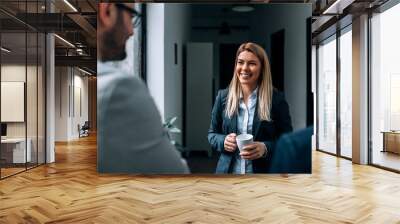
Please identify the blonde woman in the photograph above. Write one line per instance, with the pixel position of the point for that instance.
(250, 105)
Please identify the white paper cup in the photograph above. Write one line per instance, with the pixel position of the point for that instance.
(243, 140)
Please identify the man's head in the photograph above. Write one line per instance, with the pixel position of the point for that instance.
(114, 27)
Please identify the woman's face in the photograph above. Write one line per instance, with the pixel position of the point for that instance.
(248, 68)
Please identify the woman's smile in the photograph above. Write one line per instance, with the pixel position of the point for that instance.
(245, 75)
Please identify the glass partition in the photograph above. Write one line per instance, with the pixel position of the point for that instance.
(22, 88)
(346, 93)
(31, 100)
(13, 108)
(327, 96)
(385, 88)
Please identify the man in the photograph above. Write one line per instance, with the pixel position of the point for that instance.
(131, 138)
(293, 152)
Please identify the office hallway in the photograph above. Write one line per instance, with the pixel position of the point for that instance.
(70, 191)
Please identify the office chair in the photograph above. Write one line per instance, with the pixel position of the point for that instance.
(84, 130)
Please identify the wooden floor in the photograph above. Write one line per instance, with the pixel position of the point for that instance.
(70, 191)
(10, 171)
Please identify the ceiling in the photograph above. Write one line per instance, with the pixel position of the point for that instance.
(326, 14)
(75, 23)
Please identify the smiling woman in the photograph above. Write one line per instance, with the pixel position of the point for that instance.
(249, 106)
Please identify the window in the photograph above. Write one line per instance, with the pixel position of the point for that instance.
(346, 92)
(385, 87)
(327, 96)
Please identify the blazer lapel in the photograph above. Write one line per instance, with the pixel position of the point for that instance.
(234, 124)
(256, 122)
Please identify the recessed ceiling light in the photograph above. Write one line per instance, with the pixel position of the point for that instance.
(84, 71)
(64, 40)
(242, 8)
(5, 50)
(70, 5)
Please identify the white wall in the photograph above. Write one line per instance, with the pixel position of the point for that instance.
(14, 72)
(155, 53)
(167, 24)
(68, 83)
(81, 111)
(62, 81)
(293, 19)
(177, 30)
(17, 72)
(213, 36)
(198, 95)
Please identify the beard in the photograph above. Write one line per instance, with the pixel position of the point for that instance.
(114, 42)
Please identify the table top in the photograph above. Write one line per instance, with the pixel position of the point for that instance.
(391, 132)
(13, 140)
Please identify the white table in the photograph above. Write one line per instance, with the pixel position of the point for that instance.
(18, 145)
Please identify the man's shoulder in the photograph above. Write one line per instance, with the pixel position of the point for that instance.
(297, 139)
(115, 77)
(122, 95)
(111, 82)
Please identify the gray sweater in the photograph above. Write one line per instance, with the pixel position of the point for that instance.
(130, 136)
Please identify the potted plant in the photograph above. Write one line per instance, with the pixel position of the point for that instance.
(170, 127)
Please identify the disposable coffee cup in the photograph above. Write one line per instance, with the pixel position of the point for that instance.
(244, 139)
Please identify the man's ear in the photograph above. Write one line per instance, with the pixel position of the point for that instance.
(107, 14)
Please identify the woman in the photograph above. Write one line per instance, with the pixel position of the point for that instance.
(250, 105)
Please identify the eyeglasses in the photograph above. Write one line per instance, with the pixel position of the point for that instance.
(134, 14)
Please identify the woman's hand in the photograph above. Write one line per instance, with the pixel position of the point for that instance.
(230, 142)
(254, 151)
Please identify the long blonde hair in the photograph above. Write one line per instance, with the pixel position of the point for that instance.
(265, 88)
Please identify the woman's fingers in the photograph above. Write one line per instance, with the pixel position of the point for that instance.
(230, 142)
(249, 154)
(252, 151)
(229, 149)
(231, 138)
(250, 147)
(233, 145)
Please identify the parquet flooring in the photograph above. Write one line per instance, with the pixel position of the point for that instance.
(71, 191)
(10, 171)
